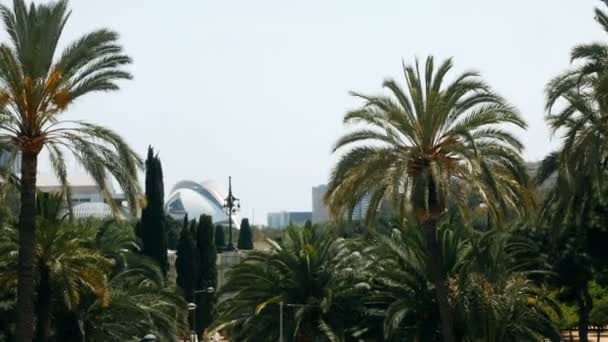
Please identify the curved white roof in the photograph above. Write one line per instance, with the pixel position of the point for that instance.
(196, 199)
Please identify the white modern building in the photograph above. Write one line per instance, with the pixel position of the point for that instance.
(82, 187)
(87, 199)
(195, 199)
(320, 214)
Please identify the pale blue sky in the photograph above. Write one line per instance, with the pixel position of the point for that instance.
(257, 89)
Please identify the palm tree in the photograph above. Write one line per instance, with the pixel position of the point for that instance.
(492, 299)
(138, 303)
(37, 85)
(401, 297)
(93, 284)
(576, 105)
(426, 147)
(67, 266)
(313, 275)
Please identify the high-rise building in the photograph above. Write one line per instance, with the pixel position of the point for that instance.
(360, 210)
(283, 219)
(320, 214)
(11, 162)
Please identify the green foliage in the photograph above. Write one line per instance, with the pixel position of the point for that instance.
(378, 288)
(490, 295)
(185, 264)
(153, 219)
(174, 229)
(311, 272)
(220, 238)
(94, 273)
(245, 236)
(599, 314)
(139, 304)
(206, 273)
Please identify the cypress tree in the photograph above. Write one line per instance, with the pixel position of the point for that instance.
(185, 264)
(245, 236)
(153, 225)
(173, 228)
(220, 239)
(194, 229)
(207, 273)
(185, 222)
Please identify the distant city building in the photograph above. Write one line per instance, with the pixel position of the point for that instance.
(11, 162)
(285, 218)
(320, 214)
(196, 199)
(277, 220)
(360, 210)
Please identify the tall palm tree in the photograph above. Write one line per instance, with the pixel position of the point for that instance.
(577, 110)
(313, 275)
(37, 85)
(427, 146)
(577, 107)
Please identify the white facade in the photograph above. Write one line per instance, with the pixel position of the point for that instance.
(320, 214)
(87, 199)
(82, 186)
(97, 210)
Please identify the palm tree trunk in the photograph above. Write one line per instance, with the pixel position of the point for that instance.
(429, 228)
(27, 238)
(44, 307)
(585, 304)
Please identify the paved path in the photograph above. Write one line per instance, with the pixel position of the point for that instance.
(592, 336)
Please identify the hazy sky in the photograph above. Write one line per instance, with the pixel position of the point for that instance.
(257, 89)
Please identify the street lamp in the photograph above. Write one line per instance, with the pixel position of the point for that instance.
(149, 338)
(231, 206)
(192, 310)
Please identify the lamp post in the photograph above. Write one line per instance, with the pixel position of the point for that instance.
(281, 321)
(192, 309)
(150, 338)
(231, 206)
